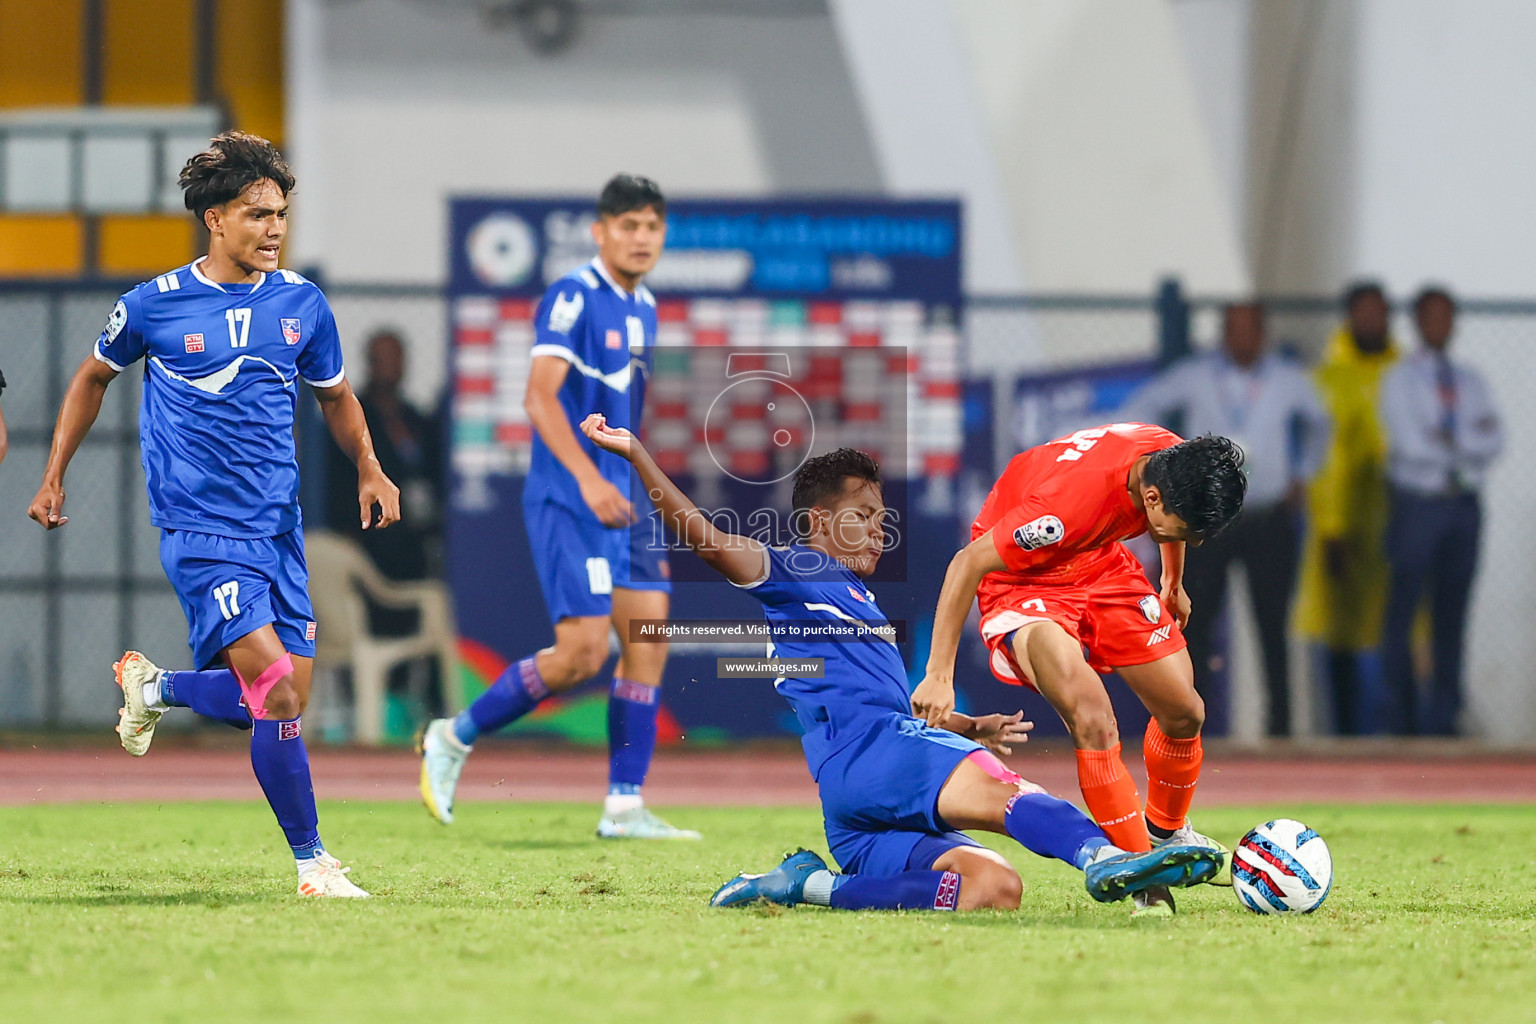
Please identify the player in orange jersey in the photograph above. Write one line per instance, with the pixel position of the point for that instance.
(1054, 580)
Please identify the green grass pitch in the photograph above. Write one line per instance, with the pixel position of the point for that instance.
(186, 912)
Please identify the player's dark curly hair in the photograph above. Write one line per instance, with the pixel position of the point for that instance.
(1202, 482)
(232, 163)
(626, 193)
(825, 477)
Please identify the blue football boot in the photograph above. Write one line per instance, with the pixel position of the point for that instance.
(1114, 878)
(784, 885)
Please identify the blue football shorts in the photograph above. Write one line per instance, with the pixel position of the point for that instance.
(232, 586)
(880, 796)
(580, 561)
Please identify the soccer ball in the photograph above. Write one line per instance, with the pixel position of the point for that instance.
(1282, 867)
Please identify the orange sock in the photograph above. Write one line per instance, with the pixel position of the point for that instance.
(1112, 798)
(1173, 768)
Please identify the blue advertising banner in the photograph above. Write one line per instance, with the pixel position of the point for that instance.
(831, 249)
(844, 312)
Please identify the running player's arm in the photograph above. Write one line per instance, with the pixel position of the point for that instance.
(82, 403)
(5, 441)
(347, 424)
(934, 699)
(320, 365)
(739, 559)
(542, 403)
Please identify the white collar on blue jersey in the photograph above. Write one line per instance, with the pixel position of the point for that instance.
(602, 272)
(214, 284)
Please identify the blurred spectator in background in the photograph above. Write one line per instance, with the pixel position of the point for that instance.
(5, 441)
(407, 443)
(1268, 406)
(1344, 566)
(1442, 432)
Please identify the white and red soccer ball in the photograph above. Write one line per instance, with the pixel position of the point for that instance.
(1282, 867)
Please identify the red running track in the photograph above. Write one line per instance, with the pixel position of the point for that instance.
(765, 776)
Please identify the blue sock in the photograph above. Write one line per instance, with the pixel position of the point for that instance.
(910, 890)
(632, 710)
(515, 692)
(1051, 827)
(282, 768)
(214, 694)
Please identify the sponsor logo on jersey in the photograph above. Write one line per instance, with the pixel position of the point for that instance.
(193, 342)
(290, 331)
(1159, 635)
(564, 312)
(855, 594)
(613, 339)
(1039, 532)
(1152, 608)
(116, 321)
(309, 631)
(290, 730)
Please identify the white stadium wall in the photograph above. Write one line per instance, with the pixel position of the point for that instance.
(1099, 145)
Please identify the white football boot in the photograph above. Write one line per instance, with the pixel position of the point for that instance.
(137, 719)
(328, 878)
(442, 760)
(640, 823)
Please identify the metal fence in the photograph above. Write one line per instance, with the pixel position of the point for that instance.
(70, 601)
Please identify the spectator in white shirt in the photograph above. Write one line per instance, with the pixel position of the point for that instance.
(1442, 431)
(1268, 405)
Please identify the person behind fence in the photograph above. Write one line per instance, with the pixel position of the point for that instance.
(1266, 404)
(5, 441)
(1343, 588)
(1442, 433)
(406, 441)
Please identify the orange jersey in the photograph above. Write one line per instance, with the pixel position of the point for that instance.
(1060, 510)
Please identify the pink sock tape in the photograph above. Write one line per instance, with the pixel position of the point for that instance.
(256, 693)
(988, 762)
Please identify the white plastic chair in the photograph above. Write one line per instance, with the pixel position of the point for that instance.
(340, 574)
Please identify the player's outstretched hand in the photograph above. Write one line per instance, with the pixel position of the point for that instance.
(48, 507)
(610, 439)
(933, 700)
(377, 489)
(999, 733)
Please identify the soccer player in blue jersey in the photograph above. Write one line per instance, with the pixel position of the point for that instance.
(894, 791)
(225, 341)
(592, 352)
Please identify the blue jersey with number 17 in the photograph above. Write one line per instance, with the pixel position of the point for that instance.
(222, 366)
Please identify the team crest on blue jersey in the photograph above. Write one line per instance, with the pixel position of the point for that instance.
(193, 342)
(290, 330)
(855, 595)
(1151, 607)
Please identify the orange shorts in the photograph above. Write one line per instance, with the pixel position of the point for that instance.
(1114, 613)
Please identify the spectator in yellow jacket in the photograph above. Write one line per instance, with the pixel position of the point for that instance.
(1344, 571)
